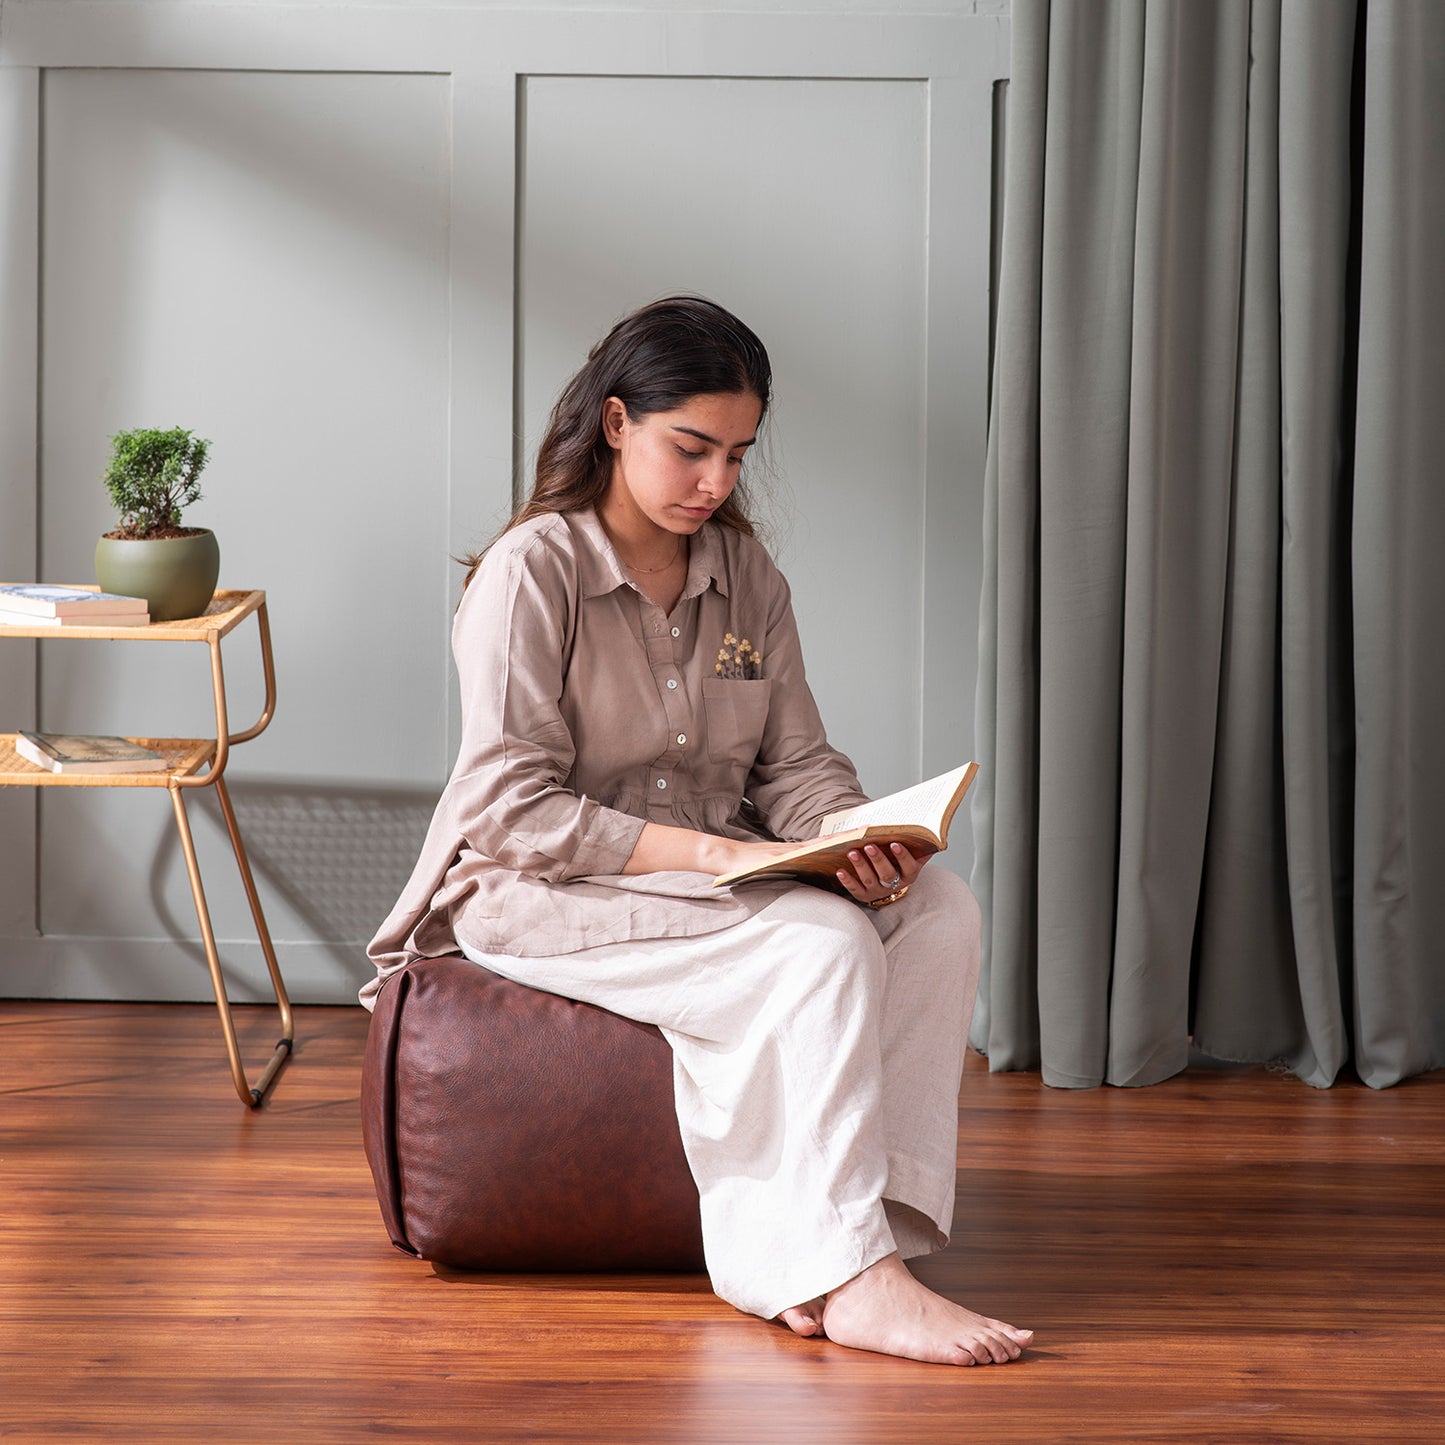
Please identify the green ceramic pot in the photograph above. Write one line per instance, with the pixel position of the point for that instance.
(175, 575)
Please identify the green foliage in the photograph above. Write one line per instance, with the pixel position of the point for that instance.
(151, 475)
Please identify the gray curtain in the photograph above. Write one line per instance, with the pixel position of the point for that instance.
(1212, 685)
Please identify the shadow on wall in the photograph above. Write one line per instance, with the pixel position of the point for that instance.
(337, 856)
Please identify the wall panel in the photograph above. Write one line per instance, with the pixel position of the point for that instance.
(801, 205)
(19, 374)
(263, 258)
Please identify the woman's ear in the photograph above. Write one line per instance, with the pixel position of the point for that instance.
(614, 418)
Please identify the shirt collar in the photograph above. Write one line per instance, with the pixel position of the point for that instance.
(602, 571)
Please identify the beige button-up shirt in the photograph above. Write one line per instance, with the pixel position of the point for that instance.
(586, 712)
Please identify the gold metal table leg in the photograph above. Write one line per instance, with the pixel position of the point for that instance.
(278, 984)
(251, 1096)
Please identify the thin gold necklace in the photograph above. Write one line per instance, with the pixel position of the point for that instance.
(648, 571)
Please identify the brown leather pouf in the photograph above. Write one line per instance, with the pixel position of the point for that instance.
(512, 1130)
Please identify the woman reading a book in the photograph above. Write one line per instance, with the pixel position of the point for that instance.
(636, 721)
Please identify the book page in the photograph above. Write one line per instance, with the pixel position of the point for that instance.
(924, 803)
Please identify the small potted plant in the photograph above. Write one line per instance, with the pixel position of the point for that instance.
(150, 477)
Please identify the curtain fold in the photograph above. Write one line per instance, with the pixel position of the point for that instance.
(1398, 551)
(1211, 807)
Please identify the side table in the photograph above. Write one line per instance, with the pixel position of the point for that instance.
(190, 763)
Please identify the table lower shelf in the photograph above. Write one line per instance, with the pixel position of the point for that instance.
(184, 756)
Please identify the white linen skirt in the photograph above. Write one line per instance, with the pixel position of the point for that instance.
(817, 1054)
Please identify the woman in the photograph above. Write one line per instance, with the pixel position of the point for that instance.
(635, 721)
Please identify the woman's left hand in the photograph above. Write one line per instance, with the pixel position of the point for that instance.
(878, 872)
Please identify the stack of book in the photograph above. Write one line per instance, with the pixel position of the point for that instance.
(36, 604)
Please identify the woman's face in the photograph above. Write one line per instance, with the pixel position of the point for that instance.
(674, 469)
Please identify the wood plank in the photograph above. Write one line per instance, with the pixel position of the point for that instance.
(1229, 1256)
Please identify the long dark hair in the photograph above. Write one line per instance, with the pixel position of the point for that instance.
(652, 360)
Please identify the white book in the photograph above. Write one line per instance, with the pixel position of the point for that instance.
(86, 753)
(43, 599)
(101, 619)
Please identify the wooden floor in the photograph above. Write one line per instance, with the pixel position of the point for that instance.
(1230, 1256)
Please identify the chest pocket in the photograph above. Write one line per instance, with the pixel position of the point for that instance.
(737, 713)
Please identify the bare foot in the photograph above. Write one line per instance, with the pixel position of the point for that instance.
(887, 1310)
(805, 1319)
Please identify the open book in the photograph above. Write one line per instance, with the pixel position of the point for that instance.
(917, 817)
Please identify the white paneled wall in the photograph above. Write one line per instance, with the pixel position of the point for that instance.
(801, 205)
(353, 245)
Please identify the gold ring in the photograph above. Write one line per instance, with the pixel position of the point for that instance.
(891, 898)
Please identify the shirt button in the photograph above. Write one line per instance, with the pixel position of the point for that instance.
(662, 782)
(672, 682)
(681, 739)
(677, 632)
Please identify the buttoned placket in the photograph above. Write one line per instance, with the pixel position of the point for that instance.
(662, 636)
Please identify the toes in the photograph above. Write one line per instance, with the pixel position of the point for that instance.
(1013, 1341)
(1002, 1343)
(994, 1348)
(801, 1321)
(959, 1353)
(1010, 1347)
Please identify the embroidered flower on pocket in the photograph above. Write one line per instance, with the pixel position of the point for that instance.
(738, 659)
